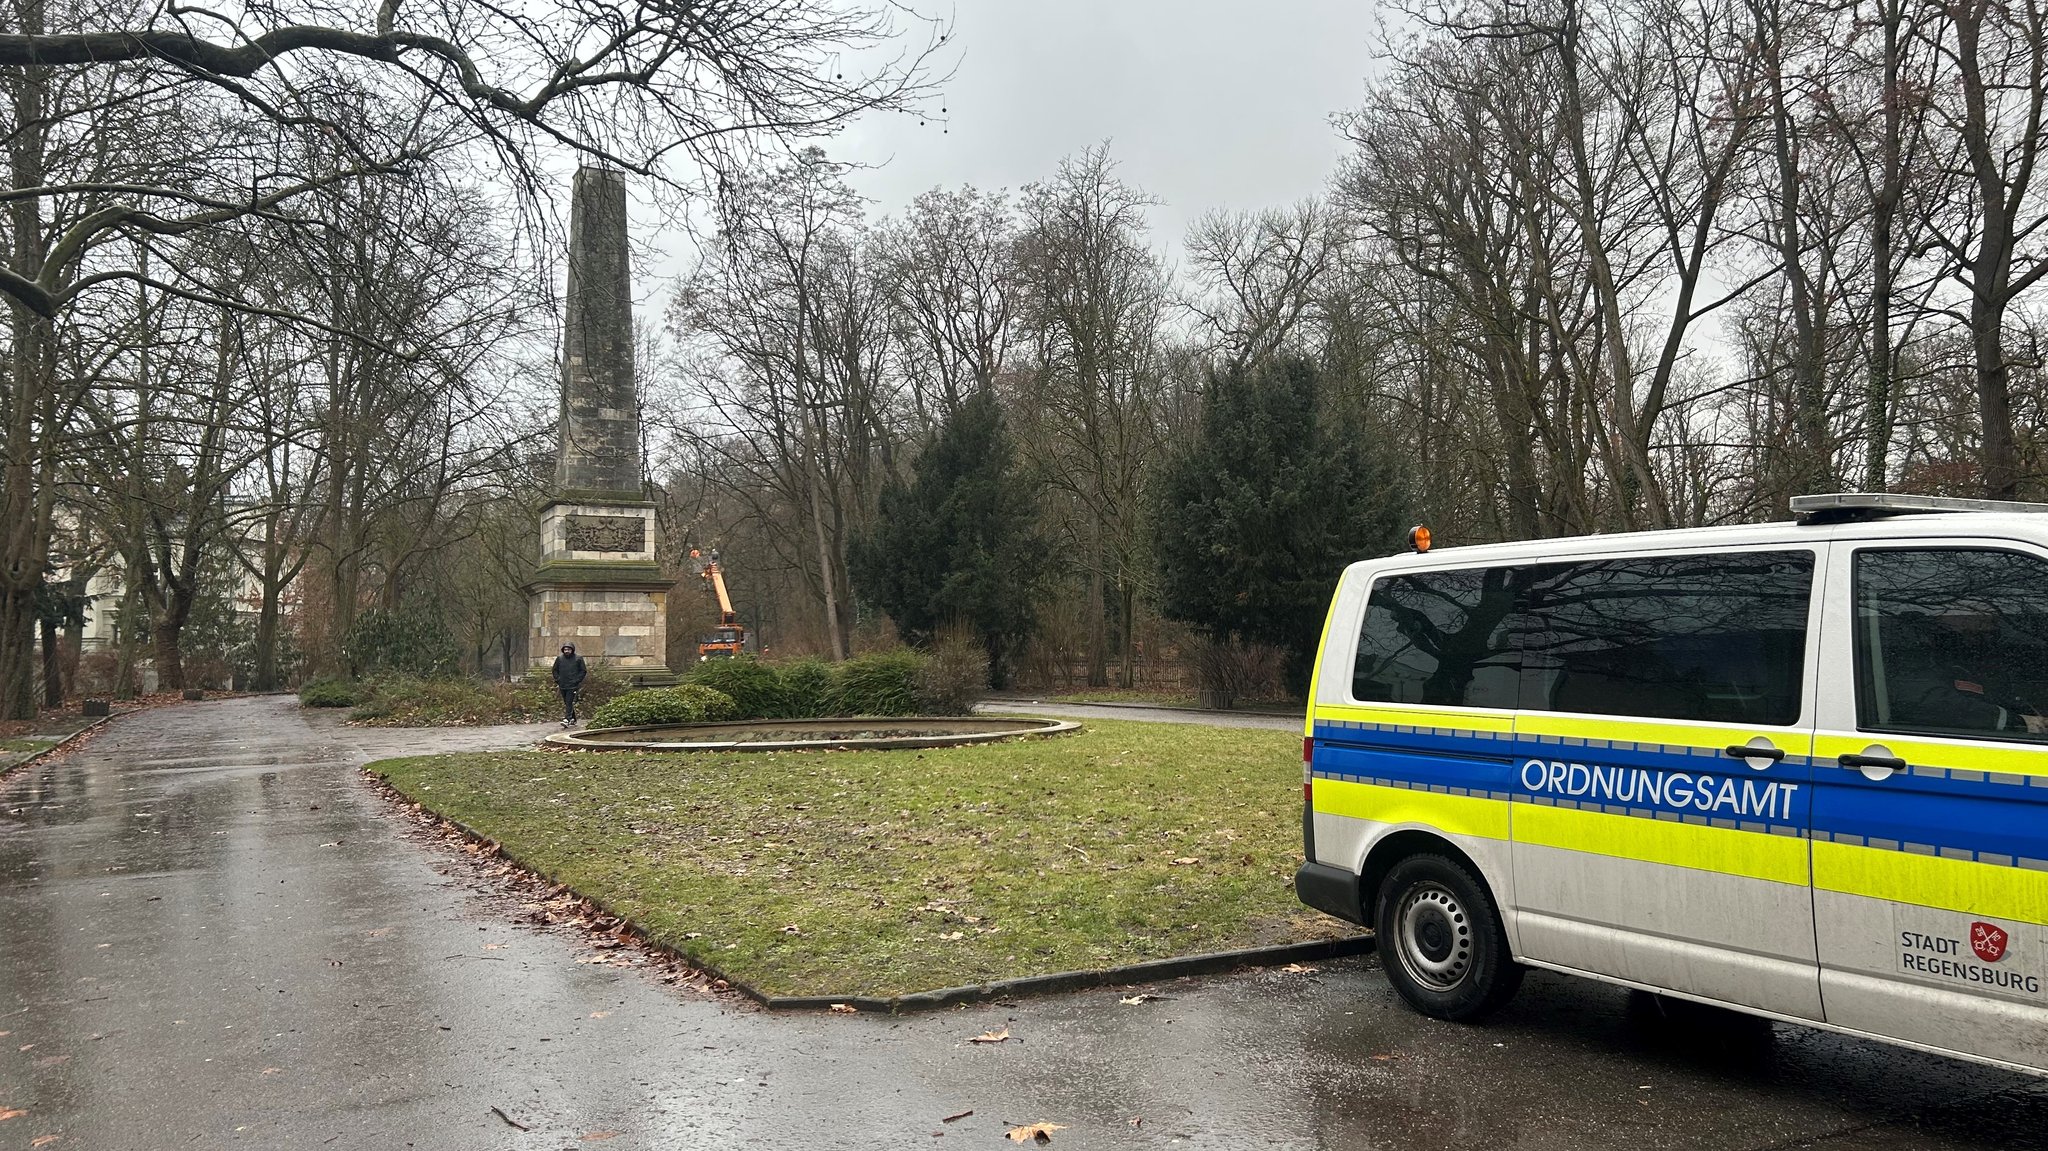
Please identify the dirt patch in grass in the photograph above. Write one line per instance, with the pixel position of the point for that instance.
(882, 873)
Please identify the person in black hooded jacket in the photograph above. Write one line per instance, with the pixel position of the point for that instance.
(569, 672)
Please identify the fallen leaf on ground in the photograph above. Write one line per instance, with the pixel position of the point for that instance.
(1298, 969)
(599, 1014)
(1141, 997)
(992, 1036)
(844, 1009)
(272, 1070)
(1035, 1132)
(11, 1113)
(1186, 861)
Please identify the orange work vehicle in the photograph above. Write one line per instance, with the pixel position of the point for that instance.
(730, 637)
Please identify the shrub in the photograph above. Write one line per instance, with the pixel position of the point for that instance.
(690, 703)
(329, 693)
(601, 686)
(408, 642)
(753, 686)
(882, 684)
(1232, 669)
(407, 701)
(807, 688)
(404, 701)
(955, 674)
(99, 674)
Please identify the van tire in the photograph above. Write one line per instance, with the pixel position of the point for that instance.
(1440, 940)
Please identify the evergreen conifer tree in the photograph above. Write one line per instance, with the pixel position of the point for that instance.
(960, 542)
(1255, 520)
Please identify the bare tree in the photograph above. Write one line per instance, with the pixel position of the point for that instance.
(1094, 292)
(1999, 57)
(1261, 272)
(950, 266)
(793, 331)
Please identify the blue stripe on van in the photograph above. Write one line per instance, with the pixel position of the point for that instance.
(1999, 819)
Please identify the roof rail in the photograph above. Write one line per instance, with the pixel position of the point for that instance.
(1847, 507)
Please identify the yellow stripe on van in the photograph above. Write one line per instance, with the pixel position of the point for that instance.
(1963, 885)
(1757, 855)
(1453, 814)
(1959, 756)
(1315, 675)
(1459, 718)
(1536, 723)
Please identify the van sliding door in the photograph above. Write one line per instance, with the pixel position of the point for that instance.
(1930, 818)
(1663, 777)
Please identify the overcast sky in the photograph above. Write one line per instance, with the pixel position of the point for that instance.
(1207, 103)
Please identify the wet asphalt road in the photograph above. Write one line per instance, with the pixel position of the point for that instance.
(213, 933)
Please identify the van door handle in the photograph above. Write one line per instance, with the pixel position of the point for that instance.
(1852, 759)
(1745, 751)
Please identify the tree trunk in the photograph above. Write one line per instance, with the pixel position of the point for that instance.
(1877, 387)
(22, 532)
(1812, 471)
(1991, 270)
(827, 581)
(131, 610)
(267, 619)
(1098, 637)
(53, 665)
(1994, 401)
(1127, 609)
(170, 661)
(27, 544)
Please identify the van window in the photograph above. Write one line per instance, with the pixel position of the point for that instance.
(1719, 637)
(1438, 637)
(1952, 642)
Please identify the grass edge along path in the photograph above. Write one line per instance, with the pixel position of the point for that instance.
(879, 874)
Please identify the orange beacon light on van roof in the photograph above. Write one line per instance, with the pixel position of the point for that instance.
(1418, 538)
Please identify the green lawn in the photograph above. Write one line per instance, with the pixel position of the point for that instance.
(880, 873)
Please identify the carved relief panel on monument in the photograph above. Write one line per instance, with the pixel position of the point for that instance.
(606, 533)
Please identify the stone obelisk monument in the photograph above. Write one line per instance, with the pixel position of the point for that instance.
(599, 585)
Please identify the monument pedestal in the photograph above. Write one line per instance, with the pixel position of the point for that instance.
(599, 587)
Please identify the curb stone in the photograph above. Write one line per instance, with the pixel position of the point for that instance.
(1150, 971)
(8, 773)
(1018, 702)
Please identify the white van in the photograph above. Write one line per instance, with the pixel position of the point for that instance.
(1796, 769)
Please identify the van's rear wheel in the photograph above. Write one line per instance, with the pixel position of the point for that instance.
(1440, 940)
